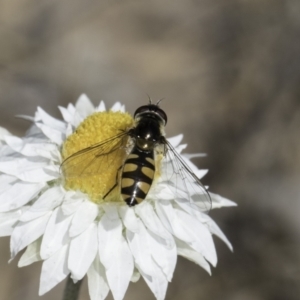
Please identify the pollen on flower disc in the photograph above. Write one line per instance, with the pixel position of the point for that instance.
(93, 167)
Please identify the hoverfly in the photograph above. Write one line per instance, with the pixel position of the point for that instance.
(145, 140)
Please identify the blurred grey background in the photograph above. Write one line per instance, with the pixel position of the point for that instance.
(229, 72)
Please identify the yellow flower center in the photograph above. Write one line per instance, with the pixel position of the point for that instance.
(91, 163)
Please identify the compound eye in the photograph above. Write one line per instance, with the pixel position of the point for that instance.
(141, 110)
(162, 115)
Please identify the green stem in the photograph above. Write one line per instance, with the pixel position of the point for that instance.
(72, 289)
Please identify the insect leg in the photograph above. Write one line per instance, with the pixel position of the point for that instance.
(117, 181)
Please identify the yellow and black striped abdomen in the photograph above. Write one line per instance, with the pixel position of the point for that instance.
(137, 176)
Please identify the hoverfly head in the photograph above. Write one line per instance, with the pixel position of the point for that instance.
(151, 111)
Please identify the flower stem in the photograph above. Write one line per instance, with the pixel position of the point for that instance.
(72, 289)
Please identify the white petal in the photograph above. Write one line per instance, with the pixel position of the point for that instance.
(101, 107)
(157, 283)
(169, 218)
(71, 116)
(190, 230)
(83, 217)
(69, 130)
(129, 218)
(111, 211)
(219, 201)
(48, 120)
(39, 174)
(135, 276)
(186, 251)
(161, 191)
(8, 220)
(116, 107)
(6, 150)
(31, 255)
(48, 146)
(164, 255)
(152, 222)
(165, 212)
(35, 132)
(84, 106)
(115, 255)
(191, 208)
(18, 195)
(182, 188)
(109, 232)
(53, 155)
(190, 156)
(66, 114)
(120, 273)
(56, 233)
(206, 220)
(28, 146)
(201, 201)
(180, 148)
(78, 118)
(6, 182)
(54, 270)
(54, 135)
(3, 132)
(141, 249)
(214, 229)
(193, 167)
(26, 233)
(29, 169)
(197, 235)
(83, 250)
(71, 109)
(175, 140)
(200, 173)
(97, 283)
(162, 247)
(49, 200)
(72, 202)
(53, 171)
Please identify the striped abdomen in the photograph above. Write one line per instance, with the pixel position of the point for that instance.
(137, 176)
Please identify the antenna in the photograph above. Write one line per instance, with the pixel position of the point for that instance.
(149, 98)
(157, 103)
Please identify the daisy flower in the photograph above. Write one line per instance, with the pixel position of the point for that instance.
(67, 223)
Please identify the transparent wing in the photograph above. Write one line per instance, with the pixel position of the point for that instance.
(181, 179)
(96, 159)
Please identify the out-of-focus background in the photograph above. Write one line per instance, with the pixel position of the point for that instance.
(229, 72)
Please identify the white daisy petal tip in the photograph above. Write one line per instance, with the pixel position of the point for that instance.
(4, 132)
(118, 107)
(84, 106)
(110, 242)
(101, 107)
(84, 100)
(219, 201)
